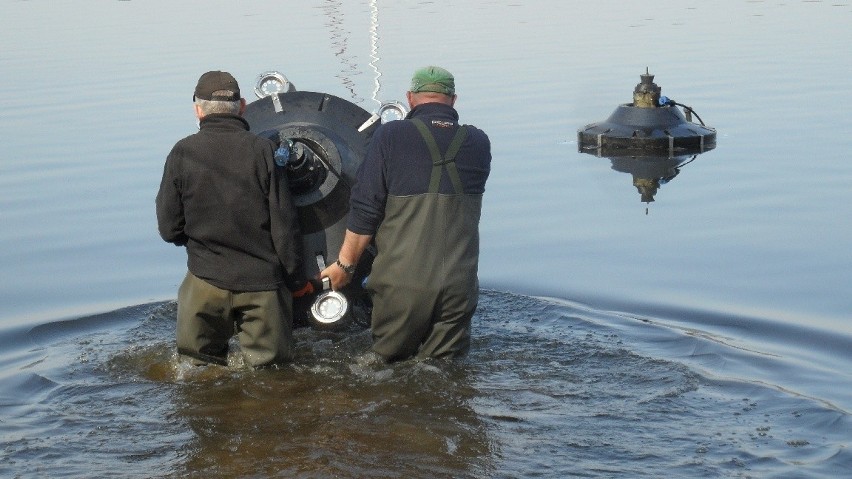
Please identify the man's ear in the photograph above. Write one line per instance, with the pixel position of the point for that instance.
(242, 106)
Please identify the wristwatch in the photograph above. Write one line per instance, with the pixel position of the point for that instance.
(347, 268)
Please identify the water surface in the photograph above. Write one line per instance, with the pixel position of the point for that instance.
(704, 334)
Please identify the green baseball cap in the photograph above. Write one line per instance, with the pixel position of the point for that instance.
(434, 79)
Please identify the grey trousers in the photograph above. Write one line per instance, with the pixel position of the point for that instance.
(208, 317)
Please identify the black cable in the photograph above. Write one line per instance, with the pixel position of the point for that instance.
(690, 110)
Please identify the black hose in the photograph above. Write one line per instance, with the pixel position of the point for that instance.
(689, 108)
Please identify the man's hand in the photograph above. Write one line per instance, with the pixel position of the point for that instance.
(336, 275)
(353, 245)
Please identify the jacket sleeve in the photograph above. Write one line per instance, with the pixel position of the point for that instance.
(284, 226)
(170, 215)
(369, 195)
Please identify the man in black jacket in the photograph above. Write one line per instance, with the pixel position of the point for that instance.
(224, 198)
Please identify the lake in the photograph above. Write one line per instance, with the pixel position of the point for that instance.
(705, 333)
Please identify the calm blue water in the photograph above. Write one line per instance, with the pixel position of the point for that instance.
(705, 333)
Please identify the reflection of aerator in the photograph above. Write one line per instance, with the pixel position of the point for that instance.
(650, 172)
(322, 140)
(651, 125)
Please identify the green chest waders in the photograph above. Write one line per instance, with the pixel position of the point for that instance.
(424, 280)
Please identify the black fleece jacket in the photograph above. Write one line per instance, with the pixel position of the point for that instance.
(225, 199)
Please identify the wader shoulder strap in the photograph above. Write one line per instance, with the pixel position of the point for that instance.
(449, 156)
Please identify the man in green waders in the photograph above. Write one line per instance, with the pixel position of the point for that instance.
(419, 195)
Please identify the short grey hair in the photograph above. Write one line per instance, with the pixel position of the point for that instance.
(209, 107)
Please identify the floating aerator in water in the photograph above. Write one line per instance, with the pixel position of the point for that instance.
(652, 124)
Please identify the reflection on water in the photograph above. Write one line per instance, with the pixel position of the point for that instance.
(333, 413)
(650, 172)
(334, 420)
(550, 389)
(340, 37)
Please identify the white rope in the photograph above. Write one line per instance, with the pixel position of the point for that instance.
(374, 49)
